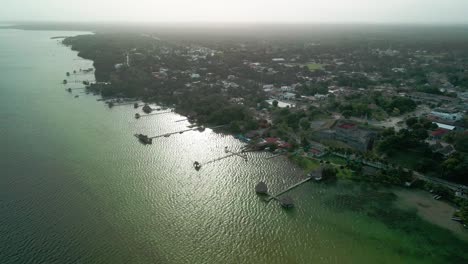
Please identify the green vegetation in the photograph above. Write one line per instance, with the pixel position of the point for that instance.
(305, 163)
(314, 66)
(334, 159)
(345, 173)
(426, 240)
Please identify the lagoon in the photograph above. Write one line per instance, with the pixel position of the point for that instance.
(77, 187)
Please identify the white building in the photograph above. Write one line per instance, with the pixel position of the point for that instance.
(278, 60)
(288, 96)
(286, 89)
(447, 114)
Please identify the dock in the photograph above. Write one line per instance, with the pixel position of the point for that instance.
(123, 104)
(161, 113)
(275, 197)
(177, 132)
(241, 154)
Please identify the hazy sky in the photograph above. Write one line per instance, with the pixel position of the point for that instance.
(384, 11)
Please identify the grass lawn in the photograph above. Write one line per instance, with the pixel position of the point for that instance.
(305, 163)
(334, 159)
(314, 66)
(345, 174)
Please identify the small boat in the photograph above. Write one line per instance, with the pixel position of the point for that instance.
(197, 165)
(76, 96)
(137, 115)
(167, 135)
(135, 105)
(144, 139)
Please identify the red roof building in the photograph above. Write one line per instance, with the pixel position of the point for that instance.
(439, 132)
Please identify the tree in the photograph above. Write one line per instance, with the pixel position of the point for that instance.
(461, 142)
(304, 123)
(347, 113)
(275, 103)
(410, 122)
(328, 172)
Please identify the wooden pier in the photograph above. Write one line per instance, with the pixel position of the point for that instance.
(123, 104)
(177, 132)
(275, 197)
(161, 113)
(241, 154)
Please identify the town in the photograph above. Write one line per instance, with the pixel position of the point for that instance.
(379, 108)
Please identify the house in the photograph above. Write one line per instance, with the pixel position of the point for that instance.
(288, 96)
(431, 98)
(278, 60)
(286, 88)
(445, 149)
(447, 114)
(439, 133)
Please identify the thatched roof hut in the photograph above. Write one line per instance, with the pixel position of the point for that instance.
(286, 202)
(147, 109)
(261, 188)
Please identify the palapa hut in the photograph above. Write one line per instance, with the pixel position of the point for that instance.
(261, 188)
(286, 202)
(147, 109)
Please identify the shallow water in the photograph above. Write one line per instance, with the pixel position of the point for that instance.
(77, 187)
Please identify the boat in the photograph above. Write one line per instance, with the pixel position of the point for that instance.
(135, 105)
(167, 135)
(144, 139)
(197, 165)
(76, 96)
(137, 115)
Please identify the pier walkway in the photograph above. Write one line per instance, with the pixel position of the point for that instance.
(161, 113)
(241, 154)
(288, 189)
(177, 132)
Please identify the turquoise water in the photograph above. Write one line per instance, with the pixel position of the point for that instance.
(77, 187)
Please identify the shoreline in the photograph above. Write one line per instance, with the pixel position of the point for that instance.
(414, 198)
(433, 211)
